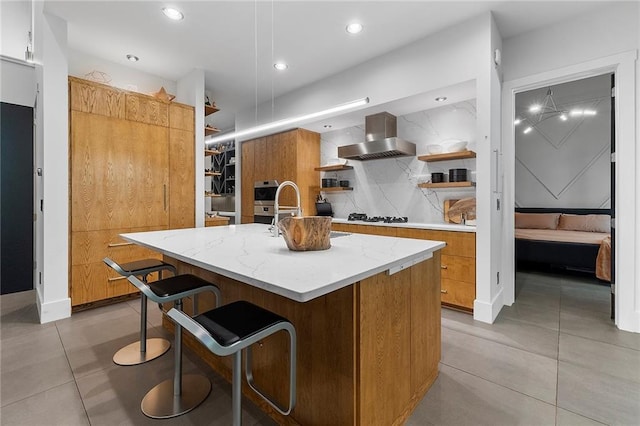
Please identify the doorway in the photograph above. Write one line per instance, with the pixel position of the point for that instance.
(564, 180)
(16, 199)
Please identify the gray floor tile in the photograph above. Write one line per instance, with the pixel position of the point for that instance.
(601, 357)
(459, 398)
(567, 418)
(596, 325)
(522, 371)
(90, 345)
(539, 295)
(541, 316)
(590, 297)
(57, 406)
(516, 334)
(19, 314)
(598, 396)
(32, 363)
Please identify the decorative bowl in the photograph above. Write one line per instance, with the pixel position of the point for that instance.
(306, 233)
(434, 149)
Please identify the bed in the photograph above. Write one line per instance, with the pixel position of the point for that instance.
(571, 239)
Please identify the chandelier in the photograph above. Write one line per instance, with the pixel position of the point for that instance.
(547, 109)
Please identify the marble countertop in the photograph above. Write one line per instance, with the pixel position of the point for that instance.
(250, 254)
(435, 226)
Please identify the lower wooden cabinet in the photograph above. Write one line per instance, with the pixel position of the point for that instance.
(91, 279)
(216, 221)
(458, 260)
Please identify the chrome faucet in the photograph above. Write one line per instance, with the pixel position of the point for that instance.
(295, 211)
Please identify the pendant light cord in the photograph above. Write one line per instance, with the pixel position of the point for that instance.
(255, 48)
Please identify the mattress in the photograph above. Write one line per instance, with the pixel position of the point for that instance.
(580, 237)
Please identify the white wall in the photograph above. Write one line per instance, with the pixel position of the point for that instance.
(15, 24)
(606, 40)
(52, 155)
(565, 163)
(81, 65)
(17, 82)
(388, 187)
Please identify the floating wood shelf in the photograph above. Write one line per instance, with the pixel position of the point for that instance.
(334, 168)
(336, 189)
(209, 130)
(208, 152)
(208, 110)
(443, 185)
(212, 174)
(211, 194)
(448, 156)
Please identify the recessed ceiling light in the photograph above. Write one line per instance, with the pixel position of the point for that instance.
(354, 28)
(172, 13)
(441, 98)
(133, 58)
(280, 66)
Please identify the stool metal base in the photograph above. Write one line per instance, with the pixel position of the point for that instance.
(161, 403)
(131, 354)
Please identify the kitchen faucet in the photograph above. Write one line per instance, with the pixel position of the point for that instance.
(295, 211)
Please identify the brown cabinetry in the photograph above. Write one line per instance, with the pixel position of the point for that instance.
(458, 260)
(290, 155)
(131, 169)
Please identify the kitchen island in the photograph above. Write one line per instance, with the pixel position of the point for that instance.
(366, 311)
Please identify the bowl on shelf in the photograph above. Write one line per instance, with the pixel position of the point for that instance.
(454, 145)
(434, 149)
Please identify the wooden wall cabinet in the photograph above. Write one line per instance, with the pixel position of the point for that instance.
(131, 170)
(290, 155)
(458, 260)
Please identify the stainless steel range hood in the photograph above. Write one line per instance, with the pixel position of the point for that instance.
(382, 140)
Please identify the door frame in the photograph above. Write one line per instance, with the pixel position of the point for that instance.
(623, 66)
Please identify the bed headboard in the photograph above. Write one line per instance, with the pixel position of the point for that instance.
(561, 210)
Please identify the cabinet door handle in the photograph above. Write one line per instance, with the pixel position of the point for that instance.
(164, 196)
(116, 279)
(443, 291)
(444, 267)
(119, 244)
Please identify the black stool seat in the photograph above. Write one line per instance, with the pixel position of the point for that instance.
(237, 321)
(133, 268)
(177, 284)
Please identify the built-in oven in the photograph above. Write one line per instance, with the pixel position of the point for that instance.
(264, 196)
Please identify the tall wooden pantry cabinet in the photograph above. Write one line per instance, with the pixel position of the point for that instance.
(131, 169)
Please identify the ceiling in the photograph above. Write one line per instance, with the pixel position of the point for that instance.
(237, 42)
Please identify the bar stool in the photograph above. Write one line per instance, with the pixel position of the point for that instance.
(145, 349)
(181, 394)
(228, 330)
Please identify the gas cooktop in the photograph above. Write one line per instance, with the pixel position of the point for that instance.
(386, 219)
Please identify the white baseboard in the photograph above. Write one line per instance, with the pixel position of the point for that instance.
(488, 312)
(53, 311)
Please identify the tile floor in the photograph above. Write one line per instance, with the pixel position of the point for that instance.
(553, 358)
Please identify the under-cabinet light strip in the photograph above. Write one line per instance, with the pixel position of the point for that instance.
(287, 121)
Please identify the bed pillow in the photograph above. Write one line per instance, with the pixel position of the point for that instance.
(537, 220)
(585, 222)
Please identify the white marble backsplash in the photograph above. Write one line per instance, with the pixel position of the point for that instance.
(388, 187)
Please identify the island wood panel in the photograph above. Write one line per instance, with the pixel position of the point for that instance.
(181, 117)
(119, 173)
(182, 190)
(325, 351)
(95, 98)
(365, 354)
(146, 109)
